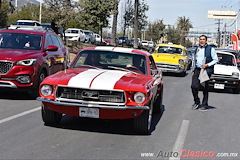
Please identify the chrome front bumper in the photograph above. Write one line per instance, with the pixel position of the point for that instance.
(120, 107)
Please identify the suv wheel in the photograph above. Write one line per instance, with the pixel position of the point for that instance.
(33, 93)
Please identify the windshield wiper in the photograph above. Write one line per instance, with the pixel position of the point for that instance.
(84, 65)
(122, 69)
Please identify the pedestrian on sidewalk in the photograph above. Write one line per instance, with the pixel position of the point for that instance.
(207, 53)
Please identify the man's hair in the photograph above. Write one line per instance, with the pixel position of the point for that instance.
(203, 36)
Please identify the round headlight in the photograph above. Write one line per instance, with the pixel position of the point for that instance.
(181, 62)
(235, 74)
(139, 97)
(46, 90)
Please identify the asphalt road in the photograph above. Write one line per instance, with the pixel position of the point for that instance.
(179, 130)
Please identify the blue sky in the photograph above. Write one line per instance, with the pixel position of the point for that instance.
(195, 10)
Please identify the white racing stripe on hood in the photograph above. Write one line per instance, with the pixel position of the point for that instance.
(84, 79)
(107, 80)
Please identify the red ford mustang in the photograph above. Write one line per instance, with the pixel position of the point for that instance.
(105, 83)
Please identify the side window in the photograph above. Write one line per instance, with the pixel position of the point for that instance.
(152, 63)
(55, 41)
(60, 42)
(48, 41)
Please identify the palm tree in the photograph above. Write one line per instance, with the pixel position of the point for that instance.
(114, 24)
(184, 24)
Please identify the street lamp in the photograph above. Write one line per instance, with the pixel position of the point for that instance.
(40, 12)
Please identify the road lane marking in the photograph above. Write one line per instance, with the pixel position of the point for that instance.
(178, 146)
(19, 115)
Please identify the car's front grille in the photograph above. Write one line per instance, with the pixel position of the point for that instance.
(167, 65)
(86, 95)
(223, 77)
(5, 67)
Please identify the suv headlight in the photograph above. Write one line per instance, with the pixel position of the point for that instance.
(46, 90)
(26, 62)
(235, 74)
(181, 62)
(139, 97)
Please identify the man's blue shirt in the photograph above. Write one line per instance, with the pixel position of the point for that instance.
(201, 54)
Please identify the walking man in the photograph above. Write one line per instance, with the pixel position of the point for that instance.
(207, 53)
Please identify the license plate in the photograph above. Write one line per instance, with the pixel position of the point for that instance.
(218, 86)
(89, 112)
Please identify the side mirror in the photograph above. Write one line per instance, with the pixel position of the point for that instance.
(154, 72)
(52, 48)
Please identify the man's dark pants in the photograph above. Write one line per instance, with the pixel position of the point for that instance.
(196, 86)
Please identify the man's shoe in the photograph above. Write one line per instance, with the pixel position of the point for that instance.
(203, 109)
(195, 106)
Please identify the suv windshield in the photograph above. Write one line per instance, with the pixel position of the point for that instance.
(169, 50)
(111, 60)
(226, 59)
(20, 41)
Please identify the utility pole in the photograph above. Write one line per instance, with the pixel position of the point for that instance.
(16, 3)
(219, 35)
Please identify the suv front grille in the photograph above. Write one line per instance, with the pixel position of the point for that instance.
(85, 95)
(5, 67)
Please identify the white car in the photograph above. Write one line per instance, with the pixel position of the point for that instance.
(25, 24)
(144, 43)
(98, 39)
(150, 44)
(75, 34)
(226, 73)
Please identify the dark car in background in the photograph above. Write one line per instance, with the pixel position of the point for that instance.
(28, 56)
(59, 28)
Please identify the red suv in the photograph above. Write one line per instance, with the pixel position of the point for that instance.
(28, 56)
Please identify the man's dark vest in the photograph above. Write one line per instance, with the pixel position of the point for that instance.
(207, 54)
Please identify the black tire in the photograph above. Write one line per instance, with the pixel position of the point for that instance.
(34, 92)
(183, 74)
(158, 108)
(142, 124)
(236, 90)
(50, 117)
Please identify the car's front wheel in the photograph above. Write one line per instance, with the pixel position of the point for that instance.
(142, 124)
(50, 117)
(158, 108)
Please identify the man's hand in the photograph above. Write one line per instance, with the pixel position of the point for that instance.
(204, 66)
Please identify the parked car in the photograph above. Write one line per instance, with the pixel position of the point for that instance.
(108, 40)
(234, 52)
(105, 83)
(171, 58)
(25, 24)
(144, 43)
(122, 39)
(75, 34)
(89, 36)
(150, 44)
(226, 72)
(99, 40)
(28, 56)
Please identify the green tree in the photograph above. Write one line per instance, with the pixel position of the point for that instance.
(173, 35)
(128, 14)
(95, 14)
(155, 30)
(60, 11)
(5, 8)
(184, 24)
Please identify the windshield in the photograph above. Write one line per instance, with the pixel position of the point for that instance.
(20, 41)
(169, 50)
(25, 23)
(226, 59)
(111, 60)
(71, 31)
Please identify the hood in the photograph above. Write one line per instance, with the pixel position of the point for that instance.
(167, 58)
(226, 70)
(17, 54)
(98, 79)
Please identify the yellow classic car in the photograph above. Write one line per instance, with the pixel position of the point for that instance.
(171, 58)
